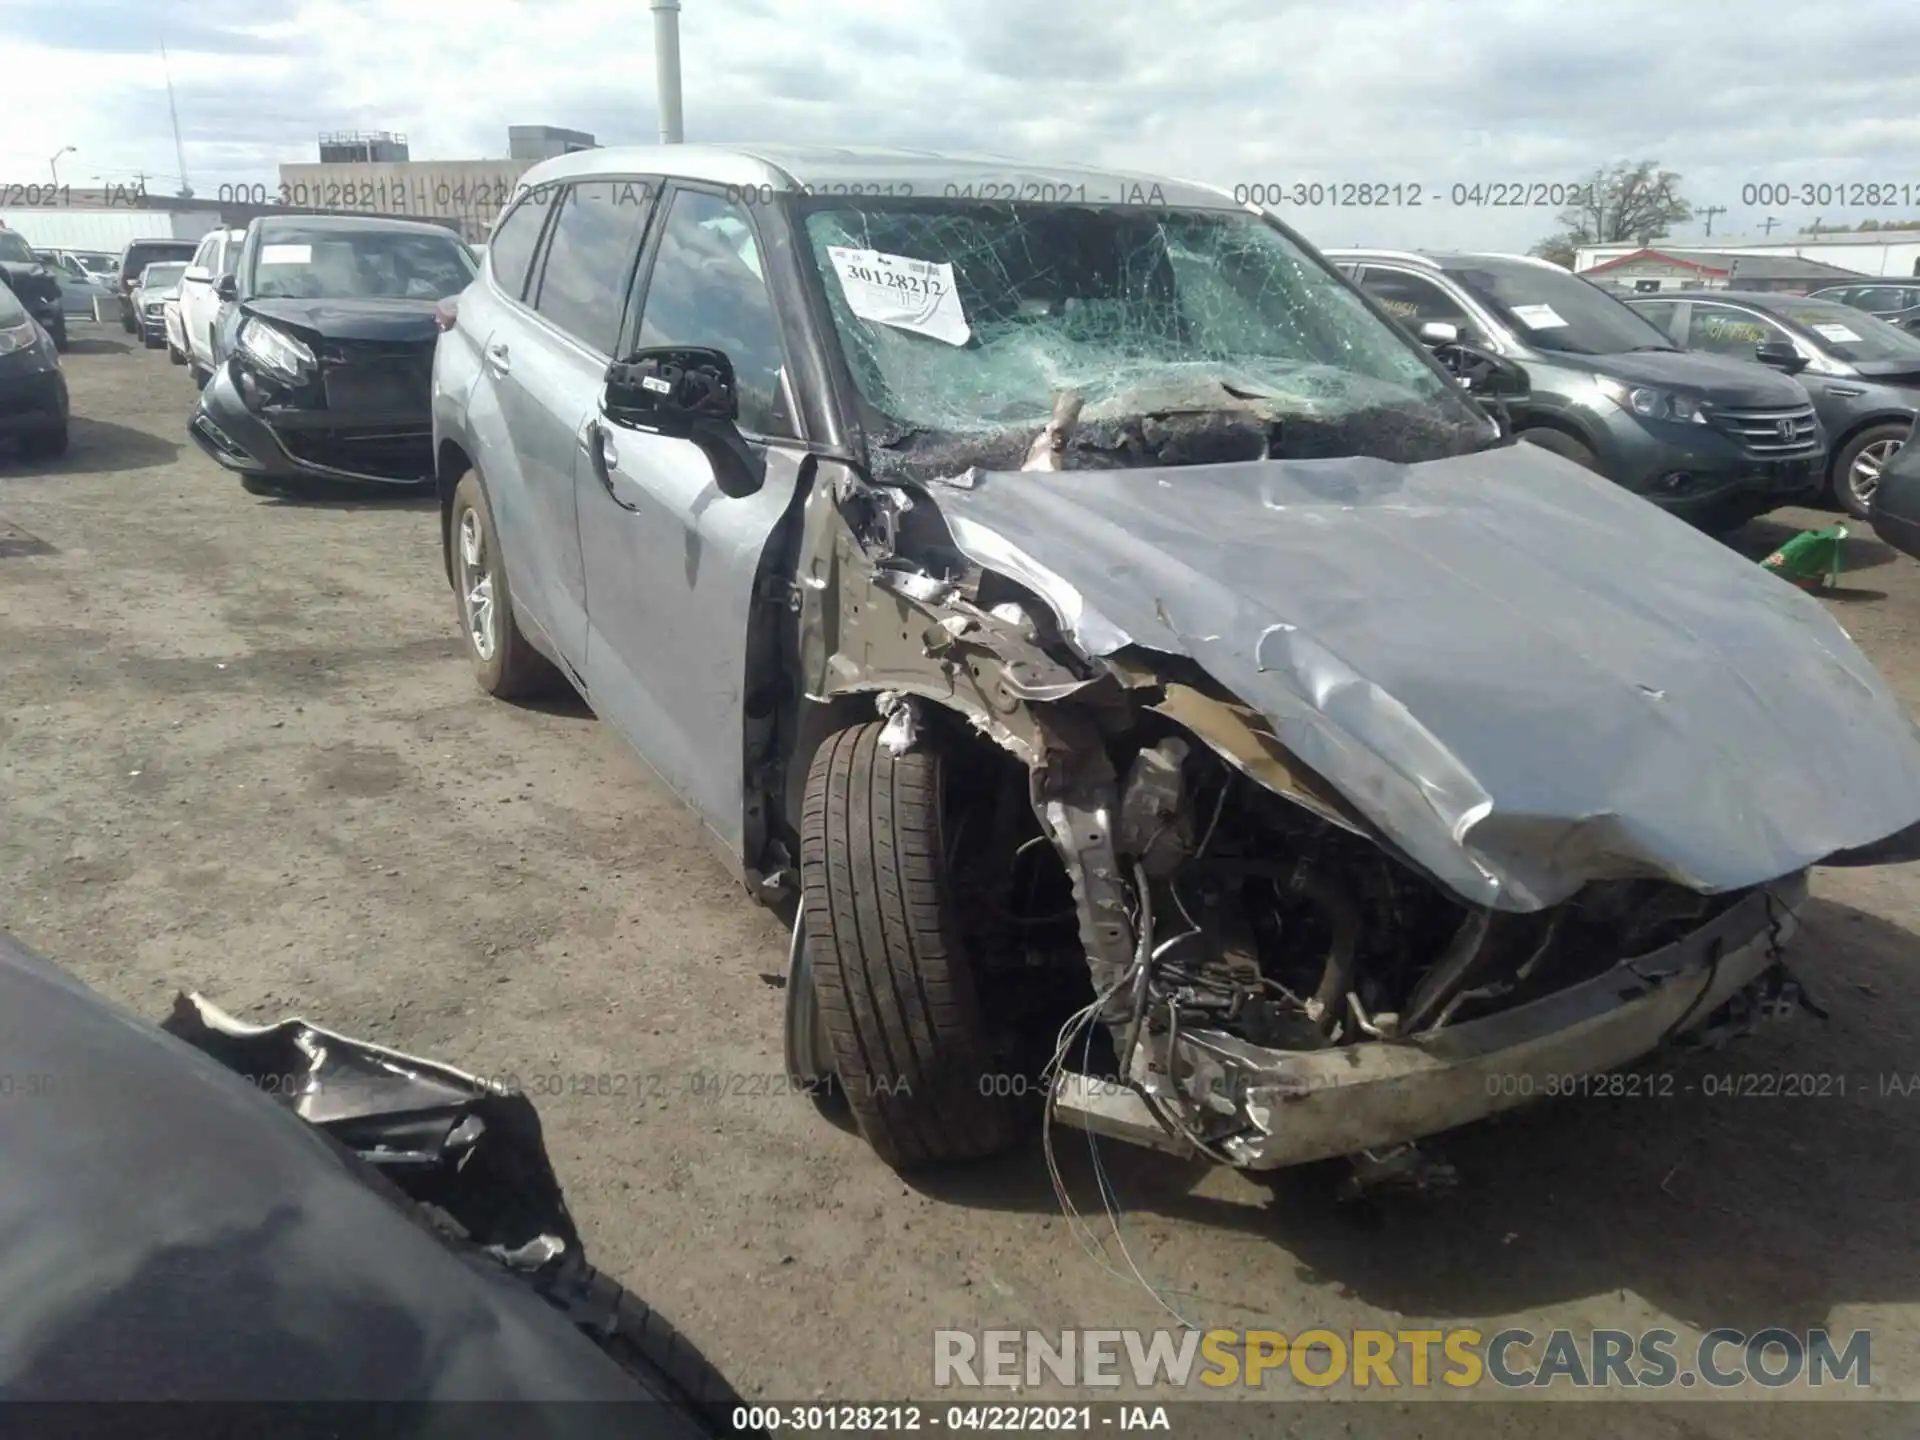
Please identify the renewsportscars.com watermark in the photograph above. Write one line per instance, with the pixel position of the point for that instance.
(1401, 1359)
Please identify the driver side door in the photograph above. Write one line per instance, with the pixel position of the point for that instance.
(671, 564)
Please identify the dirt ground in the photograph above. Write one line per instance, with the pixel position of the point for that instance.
(241, 752)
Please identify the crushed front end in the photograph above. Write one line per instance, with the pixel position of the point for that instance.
(293, 403)
(1363, 798)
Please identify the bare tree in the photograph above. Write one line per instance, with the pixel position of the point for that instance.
(1636, 202)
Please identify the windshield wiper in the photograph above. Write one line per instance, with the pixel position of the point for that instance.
(1663, 349)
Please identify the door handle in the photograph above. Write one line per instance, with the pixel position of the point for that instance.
(602, 457)
(497, 359)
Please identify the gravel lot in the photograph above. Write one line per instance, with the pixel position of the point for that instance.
(241, 752)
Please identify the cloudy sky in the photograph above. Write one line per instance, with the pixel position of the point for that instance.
(1412, 92)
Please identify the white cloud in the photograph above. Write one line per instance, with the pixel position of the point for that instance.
(1413, 92)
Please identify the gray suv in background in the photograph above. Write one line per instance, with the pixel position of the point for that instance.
(1896, 302)
(1713, 441)
(1862, 373)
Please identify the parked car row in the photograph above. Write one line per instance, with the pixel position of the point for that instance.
(1672, 396)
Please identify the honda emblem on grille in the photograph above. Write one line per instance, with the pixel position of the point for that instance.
(1787, 428)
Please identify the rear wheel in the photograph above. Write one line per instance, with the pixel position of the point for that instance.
(173, 354)
(1856, 469)
(1562, 444)
(898, 997)
(504, 660)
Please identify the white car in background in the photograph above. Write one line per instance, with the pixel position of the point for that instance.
(176, 333)
(200, 304)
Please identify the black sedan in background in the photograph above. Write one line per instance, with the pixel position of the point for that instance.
(326, 353)
(1863, 374)
(34, 284)
(33, 391)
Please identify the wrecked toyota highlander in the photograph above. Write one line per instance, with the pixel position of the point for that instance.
(1138, 669)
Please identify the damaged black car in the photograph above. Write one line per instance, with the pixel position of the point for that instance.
(1141, 674)
(326, 356)
(215, 1212)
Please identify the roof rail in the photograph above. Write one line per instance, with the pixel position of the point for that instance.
(1412, 256)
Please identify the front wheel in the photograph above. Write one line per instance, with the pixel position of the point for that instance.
(504, 660)
(1561, 444)
(1856, 469)
(898, 995)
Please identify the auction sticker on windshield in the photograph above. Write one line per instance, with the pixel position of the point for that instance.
(908, 294)
(1838, 334)
(286, 254)
(1538, 317)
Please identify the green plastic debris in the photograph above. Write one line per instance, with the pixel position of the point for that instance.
(1810, 559)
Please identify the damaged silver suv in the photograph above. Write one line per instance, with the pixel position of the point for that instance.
(1146, 676)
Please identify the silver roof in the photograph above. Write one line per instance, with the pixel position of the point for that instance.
(921, 173)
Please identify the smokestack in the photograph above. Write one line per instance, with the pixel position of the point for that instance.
(666, 67)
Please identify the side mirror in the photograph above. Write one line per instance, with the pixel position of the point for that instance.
(227, 288)
(197, 274)
(688, 393)
(1438, 332)
(1780, 355)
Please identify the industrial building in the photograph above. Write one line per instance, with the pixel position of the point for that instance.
(1663, 267)
(469, 193)
(362, 147)
(1866, 252)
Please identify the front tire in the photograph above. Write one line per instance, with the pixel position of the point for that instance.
(504, 660)
(1561, 444)
(1856, 468)
(896, 986)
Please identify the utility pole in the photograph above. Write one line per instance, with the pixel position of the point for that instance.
(1710, 212)
(179, 151)
(53, 165)
(666, 67)
(1766, 227)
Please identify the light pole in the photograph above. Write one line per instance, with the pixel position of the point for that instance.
(53, 162)
(666, 67)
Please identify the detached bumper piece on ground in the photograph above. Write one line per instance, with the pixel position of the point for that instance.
(311, 1219)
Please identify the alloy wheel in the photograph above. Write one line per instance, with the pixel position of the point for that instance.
(476, 585)
(1863, 476)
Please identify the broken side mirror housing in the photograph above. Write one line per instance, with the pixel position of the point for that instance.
(1438, 332)
(1781, 355)
(227, 288)
(685, 392)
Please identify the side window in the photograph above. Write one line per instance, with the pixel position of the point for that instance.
(1726, 331)
(1412, 300)
(1658, 313)
(204, 255)
(708, 288)
(229, 256)
(583, 281)
(511, 249)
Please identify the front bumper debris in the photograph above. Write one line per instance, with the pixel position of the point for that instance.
(1273, 1108)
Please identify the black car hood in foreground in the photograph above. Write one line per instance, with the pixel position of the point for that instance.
(1732, 383)
(371, 319)
(169, 1230)
(1524, 676)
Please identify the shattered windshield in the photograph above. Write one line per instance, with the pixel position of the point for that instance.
(1550, 309)
(966, 319)
(312, 263)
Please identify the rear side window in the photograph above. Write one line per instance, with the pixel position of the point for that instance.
(583, 282)
(511, 249)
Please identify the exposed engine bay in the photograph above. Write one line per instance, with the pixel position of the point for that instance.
(1318, 886)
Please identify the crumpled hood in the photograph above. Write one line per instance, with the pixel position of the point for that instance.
(381, 318)
(1523, 675)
